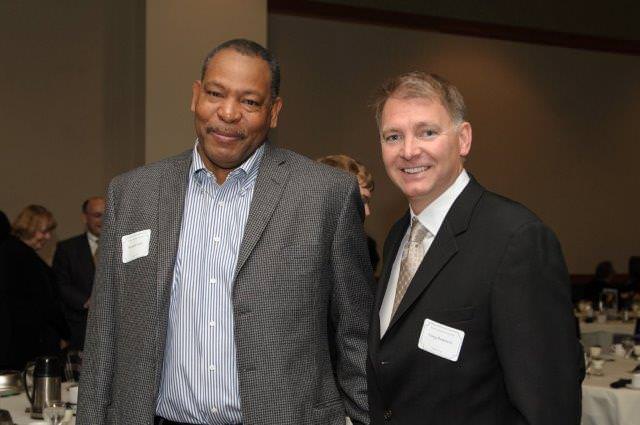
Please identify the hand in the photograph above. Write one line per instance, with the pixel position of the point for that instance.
(64, 344)
(87, 303)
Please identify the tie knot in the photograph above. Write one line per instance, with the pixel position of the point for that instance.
(418, 231)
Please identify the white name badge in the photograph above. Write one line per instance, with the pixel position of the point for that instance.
(135, 245)
(441, 340)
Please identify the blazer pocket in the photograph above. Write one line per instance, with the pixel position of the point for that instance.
(451, 316)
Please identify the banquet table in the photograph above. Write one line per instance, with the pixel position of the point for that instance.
(603, 333)
(603, 405)
(17, 405)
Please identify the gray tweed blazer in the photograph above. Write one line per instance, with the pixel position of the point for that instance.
(303, 268)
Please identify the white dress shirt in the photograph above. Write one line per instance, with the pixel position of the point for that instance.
(431, 218)
(199, 381)
(93, 242)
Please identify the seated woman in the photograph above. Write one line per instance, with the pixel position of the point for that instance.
(33, 323)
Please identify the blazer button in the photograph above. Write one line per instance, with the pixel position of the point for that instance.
(388, 414)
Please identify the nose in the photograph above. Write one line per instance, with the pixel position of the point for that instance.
(409, 148)
(229, 111)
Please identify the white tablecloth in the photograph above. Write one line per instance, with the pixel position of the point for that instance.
(17, 404)
(602, 333)
(603, 405)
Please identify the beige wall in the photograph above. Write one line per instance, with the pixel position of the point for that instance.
(179, 35)
(52, 112)
(553, 127)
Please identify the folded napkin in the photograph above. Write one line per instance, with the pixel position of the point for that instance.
(620, 383)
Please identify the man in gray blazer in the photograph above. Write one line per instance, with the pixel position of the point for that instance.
(221, 270)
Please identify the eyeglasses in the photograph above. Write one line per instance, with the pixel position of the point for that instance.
(422, 134)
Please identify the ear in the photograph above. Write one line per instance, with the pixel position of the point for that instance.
(83, 216)
(464, 139)
(275, 112)
(195, 89)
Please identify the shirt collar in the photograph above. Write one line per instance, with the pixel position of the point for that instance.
(433, 215)
(91, 237)
(247, 171)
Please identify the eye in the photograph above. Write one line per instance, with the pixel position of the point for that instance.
(251, 102)
(392, 138)
(429, 133)
(213, 93)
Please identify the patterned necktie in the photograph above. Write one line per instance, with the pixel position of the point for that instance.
(95, 254)
(412, 255)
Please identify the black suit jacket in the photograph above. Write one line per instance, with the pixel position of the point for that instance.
(74, 269)
(497, 273)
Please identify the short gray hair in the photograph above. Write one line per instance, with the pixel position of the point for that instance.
(249, 48)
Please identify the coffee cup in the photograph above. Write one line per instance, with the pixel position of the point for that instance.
(597, 365)
(72, 396)
(595, 351)
(635, 380)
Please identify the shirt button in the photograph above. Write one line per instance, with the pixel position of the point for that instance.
(212, 367)
(212, 323)
(213, 280)
(216, 239)
(221, 203)
(214, 410)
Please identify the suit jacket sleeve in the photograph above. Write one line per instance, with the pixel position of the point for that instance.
(62, 268)
(534, 329)
(99, 354)
(351, 305)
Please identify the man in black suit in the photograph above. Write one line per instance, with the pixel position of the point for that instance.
(473, 320)
(74, 267)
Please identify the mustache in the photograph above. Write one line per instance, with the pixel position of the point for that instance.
(226, 131)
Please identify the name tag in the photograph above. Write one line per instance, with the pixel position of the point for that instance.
(135, 245)
(441, 340)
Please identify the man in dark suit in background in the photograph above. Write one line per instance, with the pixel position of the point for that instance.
(73, 264)
(473, 319)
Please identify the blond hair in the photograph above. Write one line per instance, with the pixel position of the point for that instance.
(30, 220)
(352, 166)
(421, 85)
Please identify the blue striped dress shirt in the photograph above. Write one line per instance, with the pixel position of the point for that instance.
(199, 378)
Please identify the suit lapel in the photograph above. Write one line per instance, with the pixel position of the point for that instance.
(172, 191)
(443, 248)
(268, 189)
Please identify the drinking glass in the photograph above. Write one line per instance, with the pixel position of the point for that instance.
(53, 412)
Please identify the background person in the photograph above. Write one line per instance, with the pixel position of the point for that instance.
(74, 267)
(35, 323)
(366, 183)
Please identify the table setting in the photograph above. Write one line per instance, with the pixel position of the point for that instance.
(37, 396)
(611, 388)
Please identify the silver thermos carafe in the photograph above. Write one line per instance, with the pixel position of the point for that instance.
(47, 380)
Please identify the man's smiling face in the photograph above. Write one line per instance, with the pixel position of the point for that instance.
(423, 150)
(233, 110)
